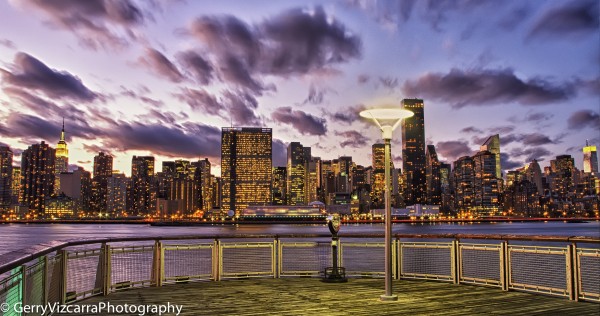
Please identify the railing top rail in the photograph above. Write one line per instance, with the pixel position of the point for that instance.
(11, 260)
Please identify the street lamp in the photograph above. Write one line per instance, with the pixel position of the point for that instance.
(387, 120)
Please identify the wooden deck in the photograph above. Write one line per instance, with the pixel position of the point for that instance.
(309, 296)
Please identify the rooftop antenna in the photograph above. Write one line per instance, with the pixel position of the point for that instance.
(586, 143)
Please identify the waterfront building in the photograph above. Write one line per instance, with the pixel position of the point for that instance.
(562, 182)
(522, 199)
(141, 195)
(590, 159)
(16, 185)
(246, 167)
(432, 174)
(462, 183)
(492, 144)
(486, 197)
(296, 177)
(533, 173)
(77, 185)
(300, 212)
(37, 183)
(59, 206)
(6, 174)
(279, 185)
(203, 180)
(61, 161)
(413, 152)
(116, 197)
(103, 168)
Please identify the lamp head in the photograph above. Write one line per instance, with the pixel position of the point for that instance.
(387, 119)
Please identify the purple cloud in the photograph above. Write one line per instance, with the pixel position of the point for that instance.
(304, 123)
(584, 118)
(161, 65)
(574, 18)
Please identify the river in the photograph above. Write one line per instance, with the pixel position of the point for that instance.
(19, 236)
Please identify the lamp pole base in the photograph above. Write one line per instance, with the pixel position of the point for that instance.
(388, 298)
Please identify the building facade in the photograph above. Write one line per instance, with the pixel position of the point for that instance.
(6, 174)
(246, 167)
(413, 152)
(37, 183)
(103, 166)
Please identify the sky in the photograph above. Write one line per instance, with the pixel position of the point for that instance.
(162, 78)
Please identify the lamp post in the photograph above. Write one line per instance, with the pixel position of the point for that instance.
(387, 120)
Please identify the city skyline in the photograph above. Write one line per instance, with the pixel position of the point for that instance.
(162, 80)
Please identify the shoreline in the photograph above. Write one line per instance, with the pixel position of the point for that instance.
(298, 222)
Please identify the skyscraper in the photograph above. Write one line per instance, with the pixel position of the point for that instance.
(16, 185)
(590, 158)
(78, 186)
(203, 183)
(462, 182)
(37, 184)
(432, 173)
(492, 144)
(142, 193)
(116, 197)
(61, 162)
(296, 177)
(246, 167)
(279, 185)
(103, 165)
(6, 159)
(378, 175)
(486, 198)
(413, 152)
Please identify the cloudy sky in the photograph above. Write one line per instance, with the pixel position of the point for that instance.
(161, 78)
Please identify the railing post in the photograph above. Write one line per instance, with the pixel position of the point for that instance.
(455, 262)
(157, 264)
(274, 258)
(400, 259)
(572, 284)
(63, 276)
(23, 281)
(45, 281)
(395, 256)
(217, 260)
(504, 265)
(106, 269)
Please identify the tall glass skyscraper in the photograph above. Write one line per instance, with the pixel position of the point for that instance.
(413, 152)
(296, 174)
(492, 144)
(590, 158)
(103, 165)
(37, 184)
(246, 167)
(61, 161)
(6, 159)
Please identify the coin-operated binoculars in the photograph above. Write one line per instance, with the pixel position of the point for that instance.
(334, 274)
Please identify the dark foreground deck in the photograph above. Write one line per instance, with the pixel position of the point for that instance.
(309, 296)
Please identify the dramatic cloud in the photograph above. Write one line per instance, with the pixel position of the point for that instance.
(97, 23)
(584, 118)
(536, 139)
(574, 18)
(242, 108)
(293, 42)
(389, 82)
(316, 95)
(530, 153)
(303, 122)
(507, 163)
(32, 74)
(454, 149)
(487, 87)
(353, 139)
(165, 140)
(538, 117)
(348, 115)
(501, 129)
(200, 68)
(161, 65)
(8, 44)
(33, 128)
(471, 130)
(200, 100)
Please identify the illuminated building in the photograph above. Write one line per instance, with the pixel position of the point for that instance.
(61, 161)
(78, 186)
(522, 199)
(180, 186)
(486, 198)
(141, 195)
(413, 152)
(59, 206)
(313, 211)
(103, 165)
(203, 180)
(533, 173)
(6, 174)
(462, 182)
(432, 174)
(492, 144)
(16, 185)
(246, 167)
(296, 169)
(562, 180)
(116, 194)
(590, 159)
(378, 176)
(447, 200)
(344, 174)
(279, 185)
(312, 178)
(37, 184)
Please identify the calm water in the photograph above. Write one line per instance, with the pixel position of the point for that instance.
(19, 236)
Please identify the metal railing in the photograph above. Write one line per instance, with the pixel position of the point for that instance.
(69, 271)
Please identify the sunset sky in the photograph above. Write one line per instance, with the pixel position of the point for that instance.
(162, 77)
